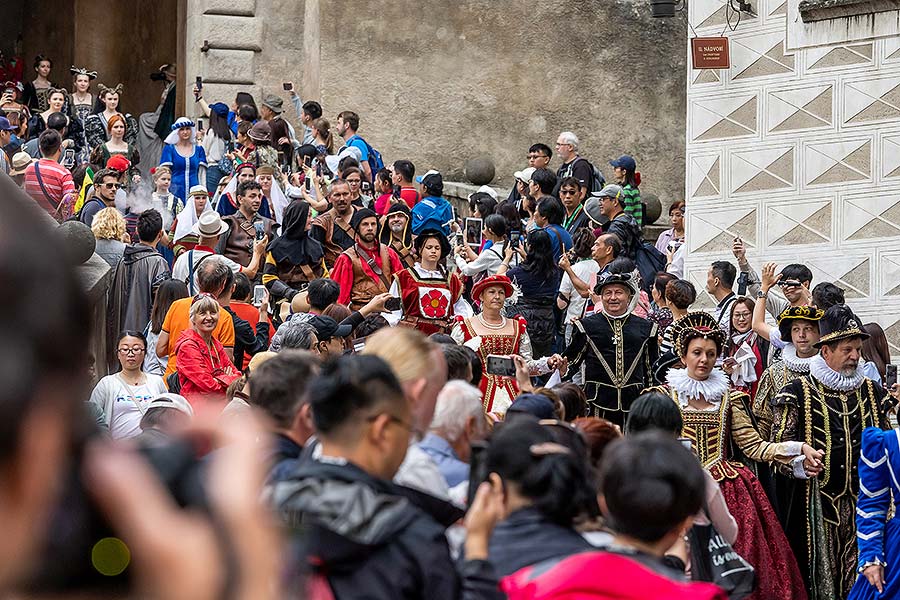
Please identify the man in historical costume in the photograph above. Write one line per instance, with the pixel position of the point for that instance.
(614, 348)
(431, 296)
(227, 203)
(238, 243)
(828, 408)
(396, 232)
(332, 228)
(367, 268)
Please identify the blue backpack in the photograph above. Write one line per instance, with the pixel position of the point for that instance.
(376, 163)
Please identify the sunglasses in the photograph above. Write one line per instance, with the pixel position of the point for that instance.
(112, 186)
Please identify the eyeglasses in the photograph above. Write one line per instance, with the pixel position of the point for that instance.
(741, 316)
(567, 192)
(393, 419)
(131, 351)
(558, 144)
(536, 156)
(111, 186)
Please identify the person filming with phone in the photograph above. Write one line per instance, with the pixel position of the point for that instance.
(246, 226)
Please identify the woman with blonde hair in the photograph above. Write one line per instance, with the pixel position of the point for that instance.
(108, 227)
(204, 370)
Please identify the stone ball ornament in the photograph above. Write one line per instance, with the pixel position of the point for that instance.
(480, 170)
(654, 208)
(78, 241)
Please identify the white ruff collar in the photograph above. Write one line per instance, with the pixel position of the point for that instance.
(794, 362)
(831, 379)
(712, 389)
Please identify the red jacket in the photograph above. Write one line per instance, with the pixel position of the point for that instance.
(204, 376)
(601, 576)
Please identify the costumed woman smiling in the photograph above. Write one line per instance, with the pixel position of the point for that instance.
(714, 416)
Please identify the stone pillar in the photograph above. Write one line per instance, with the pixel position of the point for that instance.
(223, 38)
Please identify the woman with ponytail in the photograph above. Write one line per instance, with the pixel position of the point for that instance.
(546, 486)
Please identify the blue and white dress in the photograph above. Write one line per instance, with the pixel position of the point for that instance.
(877, 537)
(185, 169)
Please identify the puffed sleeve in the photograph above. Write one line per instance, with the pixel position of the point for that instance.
(874, 497)
(752, 444)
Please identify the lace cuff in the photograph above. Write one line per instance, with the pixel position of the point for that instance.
(799, 471)
(875, 561)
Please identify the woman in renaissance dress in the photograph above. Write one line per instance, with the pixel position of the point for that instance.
(492, 333)
(715, 416)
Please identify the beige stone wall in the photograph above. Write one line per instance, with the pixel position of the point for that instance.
(443, 82)
(796, 149)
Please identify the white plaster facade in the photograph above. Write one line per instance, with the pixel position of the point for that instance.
(796, 149)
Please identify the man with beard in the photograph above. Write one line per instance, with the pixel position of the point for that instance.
(396, 233)
(367, 268)
(237, 244)
(614, 349)
(333, 228)
(828, 408)
(227, 204)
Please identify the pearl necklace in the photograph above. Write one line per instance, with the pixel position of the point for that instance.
(490, 325)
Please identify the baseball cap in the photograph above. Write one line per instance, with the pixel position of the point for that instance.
(525, 174)
(610, 191)
(327, 328)
(535, 405)
(624, 162)
(421, 178)
(4, 125)
(169, 400)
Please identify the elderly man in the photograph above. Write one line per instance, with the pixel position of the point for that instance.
(614, 349)
(458, 421)
(828, 408)
(367, 268)
(332, 228)
(573, 165)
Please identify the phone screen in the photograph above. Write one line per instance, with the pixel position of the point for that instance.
(890, 376)
(259, 294)
(501, 365)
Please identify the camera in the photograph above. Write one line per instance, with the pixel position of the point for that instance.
(77, 527)
(158, 76)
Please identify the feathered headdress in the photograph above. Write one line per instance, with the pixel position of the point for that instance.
(83, 71)
(694, 325)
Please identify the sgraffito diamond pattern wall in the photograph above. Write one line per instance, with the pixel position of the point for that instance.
(798, 153)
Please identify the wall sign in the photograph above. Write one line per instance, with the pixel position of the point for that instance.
(710, 53)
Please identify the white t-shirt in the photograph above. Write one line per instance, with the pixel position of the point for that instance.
(183, 267)
(585, 270)
(123, 405)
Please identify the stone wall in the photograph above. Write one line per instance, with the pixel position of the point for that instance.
(443, 82)
(796, 149)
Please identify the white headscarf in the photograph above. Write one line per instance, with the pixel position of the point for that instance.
(182, 122)
(277, 200)
(188, 216)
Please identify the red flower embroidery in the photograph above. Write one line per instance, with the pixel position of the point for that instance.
(434, 304)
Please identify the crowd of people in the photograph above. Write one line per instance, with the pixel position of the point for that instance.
(378, 405)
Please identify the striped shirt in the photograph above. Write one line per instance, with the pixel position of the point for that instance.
(633, 205)
(57, 181)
